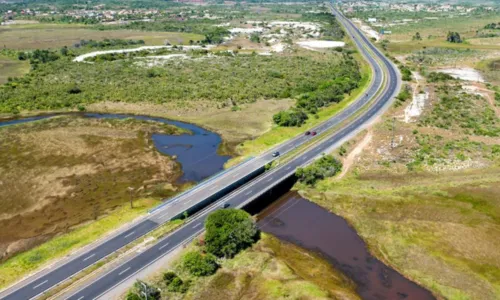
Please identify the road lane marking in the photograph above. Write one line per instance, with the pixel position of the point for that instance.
(248, 193)
(288, 168)
(163, 246)
(196, 225)
(129, 234)
(236, 174)
(269, 179)
(90, 256)
(81, 298)
(40, 284)
(213, 188)
(123, 271)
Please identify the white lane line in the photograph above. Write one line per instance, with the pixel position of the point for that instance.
(129, 234)
(304, 158)
(236, 174)
(40, 284)
(163, 246)
(288, 168)
(90, 256)
(81, 298)
(196, 225)
(212, 188)
(248, 193)
(269, 179)
(123, 271)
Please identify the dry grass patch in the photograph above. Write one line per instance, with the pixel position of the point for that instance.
(42, 36)
(10, 67)
(61, 172)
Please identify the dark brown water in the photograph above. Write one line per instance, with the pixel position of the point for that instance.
(310, 226)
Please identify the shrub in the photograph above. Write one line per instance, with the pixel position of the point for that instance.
(142, 288)
(228, 231)
(324, 167)
(168, 277)
(289, 118)
(438, 76)
(200, 265)
(454, 37)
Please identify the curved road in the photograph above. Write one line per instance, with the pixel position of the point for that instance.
(382, 89)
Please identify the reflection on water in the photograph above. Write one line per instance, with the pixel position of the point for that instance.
(196, 152)
(308, 225)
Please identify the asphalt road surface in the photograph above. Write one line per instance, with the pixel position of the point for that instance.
(37, 284)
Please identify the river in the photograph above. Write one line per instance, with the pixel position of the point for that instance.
(196, 152)
(299, 221)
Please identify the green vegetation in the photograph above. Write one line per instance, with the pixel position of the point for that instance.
(228, 231)
(438, 77)
(326, 166)
(290, 118)
(142, 290)
(324, 94)
(200, 265)
(405, 73)
(454, 37)
(242, 78)
(468, 112)
(107, 43)
(270, 269)
(403, 95)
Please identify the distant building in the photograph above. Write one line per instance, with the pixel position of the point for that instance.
(372, 20)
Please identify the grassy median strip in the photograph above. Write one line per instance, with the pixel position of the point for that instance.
(24, 263)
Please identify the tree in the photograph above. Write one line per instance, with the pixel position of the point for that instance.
(417, 37)
(454, 37)
(228, 231)
(200, 265)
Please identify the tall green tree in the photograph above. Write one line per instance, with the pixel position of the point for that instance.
(228, 231)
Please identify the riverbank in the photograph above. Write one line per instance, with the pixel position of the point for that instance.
(270, 269)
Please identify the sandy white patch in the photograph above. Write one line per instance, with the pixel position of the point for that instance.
(280, 47)
(83, 57)
(304, 25)
(370, 32)
(314, 44)
(468, 74)
(416, 106)
(246, 30)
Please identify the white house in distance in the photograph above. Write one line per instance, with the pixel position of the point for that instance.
(372, 20)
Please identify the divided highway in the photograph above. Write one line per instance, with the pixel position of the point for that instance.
(383, 87)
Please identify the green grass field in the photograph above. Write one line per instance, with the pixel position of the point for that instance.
(42, 36)
(10, 67)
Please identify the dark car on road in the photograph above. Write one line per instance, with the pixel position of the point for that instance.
(276, 154)
(313, 133)
(308, 133)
